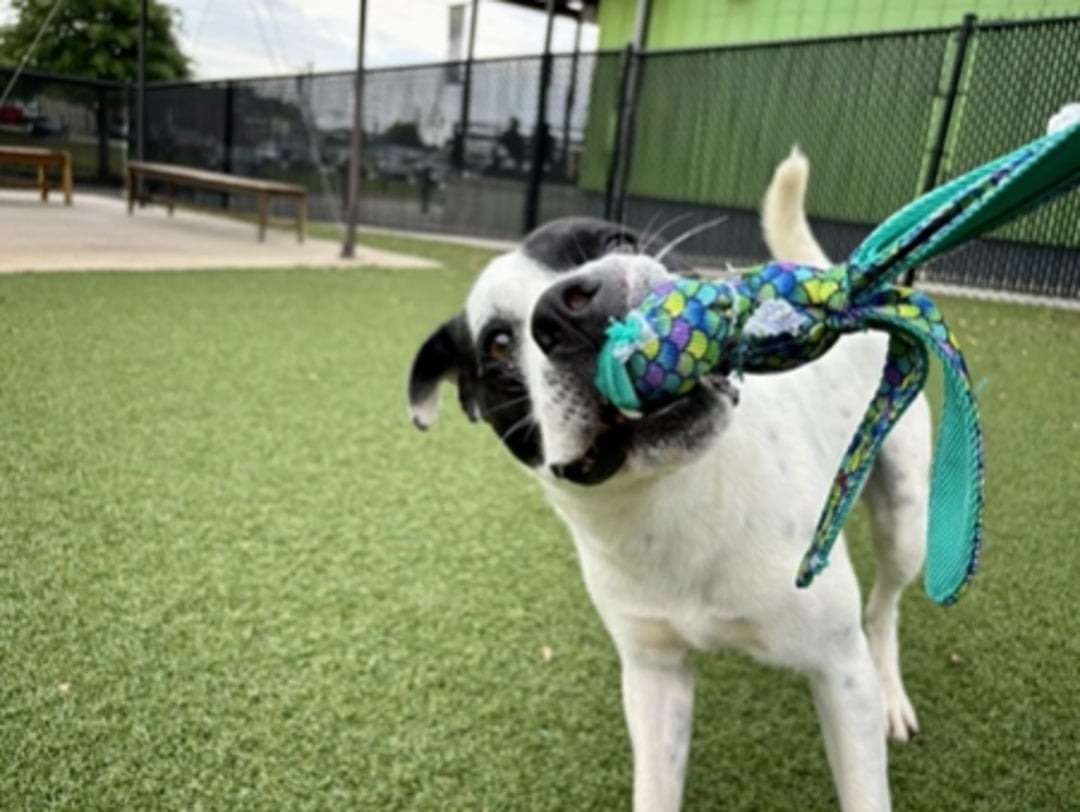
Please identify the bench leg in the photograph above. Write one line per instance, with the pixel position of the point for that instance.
(67, 181)
(43, 181)
(301, 218)
(263, 212)
(131, 191)
(170, 192)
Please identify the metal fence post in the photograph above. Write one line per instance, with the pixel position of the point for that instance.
(614, 167)
(227, 135)
(461, 143)
(540, 143)
(541, 133)
(568, 107)
(632, 81)
(937, 149)
(624, 151)
(102, 122)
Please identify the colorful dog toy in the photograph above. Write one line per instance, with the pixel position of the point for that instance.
(780, 316)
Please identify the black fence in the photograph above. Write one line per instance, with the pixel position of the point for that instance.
(427, 164)
(882, 119)
(666, 138)
(87, 118)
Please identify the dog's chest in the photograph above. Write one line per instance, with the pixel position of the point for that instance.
(677, 584)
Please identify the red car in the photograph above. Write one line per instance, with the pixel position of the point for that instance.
(13, 114)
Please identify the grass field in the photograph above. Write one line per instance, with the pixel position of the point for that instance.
(233, 576)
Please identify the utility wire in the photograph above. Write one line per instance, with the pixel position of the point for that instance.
(29, 51)
(275, 29)
(202, 24)
(306, 114)
(267, 46)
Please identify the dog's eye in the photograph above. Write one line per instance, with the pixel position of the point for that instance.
(499, 344)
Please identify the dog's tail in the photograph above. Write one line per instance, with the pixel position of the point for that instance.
(783, 219)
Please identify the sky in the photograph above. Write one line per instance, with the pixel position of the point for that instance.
(234, 38)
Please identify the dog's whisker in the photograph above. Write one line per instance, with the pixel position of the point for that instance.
(508, 405)
(645, 238)
(686, 235)
(518, 424)
(660, 231)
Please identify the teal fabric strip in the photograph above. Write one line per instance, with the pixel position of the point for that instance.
(973, 204)
(954, 535)
(782, 315)
(906, 368)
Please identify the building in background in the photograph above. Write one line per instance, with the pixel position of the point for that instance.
(701, 23)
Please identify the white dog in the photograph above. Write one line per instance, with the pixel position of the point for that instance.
(690, 523)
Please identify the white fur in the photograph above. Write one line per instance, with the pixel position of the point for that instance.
(702, 553)
(786, 231)
(508, 286)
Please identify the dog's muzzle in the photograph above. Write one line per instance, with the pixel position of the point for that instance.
(569, 324)
(571, 317)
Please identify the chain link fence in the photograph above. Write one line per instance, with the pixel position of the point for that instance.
(1015, 76)
(88, 119)
(859, 108)
(489, 148)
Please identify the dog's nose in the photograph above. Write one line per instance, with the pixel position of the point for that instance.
(571, 316)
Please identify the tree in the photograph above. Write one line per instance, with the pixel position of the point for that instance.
(95, 38)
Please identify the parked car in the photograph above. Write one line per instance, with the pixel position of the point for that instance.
(48, 127)
(13, 114)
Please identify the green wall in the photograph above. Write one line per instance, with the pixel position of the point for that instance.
(695, 23)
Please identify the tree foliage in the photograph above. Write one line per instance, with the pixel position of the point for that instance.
(95, 38)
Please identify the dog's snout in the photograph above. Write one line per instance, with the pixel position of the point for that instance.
(571, 317)
(578, 296)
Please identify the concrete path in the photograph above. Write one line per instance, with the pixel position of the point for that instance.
(96, 233)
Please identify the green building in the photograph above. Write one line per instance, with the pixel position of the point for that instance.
(699, 23)
(728, 86)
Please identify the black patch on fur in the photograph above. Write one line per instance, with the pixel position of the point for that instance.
(569, 242)
(488, 390)
(495, 391)
(445, 355)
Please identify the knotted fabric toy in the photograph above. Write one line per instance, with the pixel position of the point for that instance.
(780, 316)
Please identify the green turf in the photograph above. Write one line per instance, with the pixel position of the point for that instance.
(232, 575)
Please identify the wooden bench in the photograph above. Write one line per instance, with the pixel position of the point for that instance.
(43, 160)
(173, 176)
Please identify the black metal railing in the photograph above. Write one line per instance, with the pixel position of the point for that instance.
(646, 138)
(86, 117)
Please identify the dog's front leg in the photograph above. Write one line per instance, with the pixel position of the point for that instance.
(849, 705)
(658, 698)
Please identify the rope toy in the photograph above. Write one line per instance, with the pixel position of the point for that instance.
(779, 316)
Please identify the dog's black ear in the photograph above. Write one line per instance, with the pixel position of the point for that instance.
(446, 355)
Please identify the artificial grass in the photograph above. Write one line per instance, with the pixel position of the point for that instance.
(232, 575)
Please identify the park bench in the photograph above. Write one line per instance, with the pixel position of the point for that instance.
(43, 160)
(172, 176)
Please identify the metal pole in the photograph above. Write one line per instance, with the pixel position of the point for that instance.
(937, 151)
(626, 128)
(541, 135)
(348, 249)
(641, 24)
(228, 134)
(614, 167)
(140, 100)
(568, 111)
(102, 123)
(140, 87)
(466, 89)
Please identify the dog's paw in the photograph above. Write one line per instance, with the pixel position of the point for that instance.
(900, 721)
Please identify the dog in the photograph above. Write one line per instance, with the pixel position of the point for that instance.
(690, 523)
